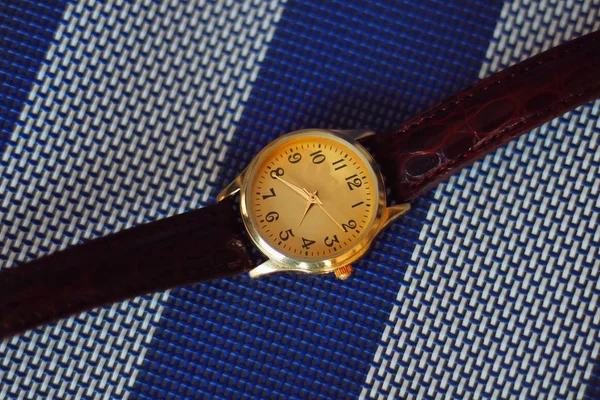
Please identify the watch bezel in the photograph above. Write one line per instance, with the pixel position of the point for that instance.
(286, 263)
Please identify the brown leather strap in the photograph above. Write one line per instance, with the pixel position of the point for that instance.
(196, 246)
(435, 144)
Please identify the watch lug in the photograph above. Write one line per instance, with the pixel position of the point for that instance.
(356, 134)
(270, 267)
(393, 212)
(232, 188)
(266, 268)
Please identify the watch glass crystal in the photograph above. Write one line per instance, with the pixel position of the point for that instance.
(312, 197)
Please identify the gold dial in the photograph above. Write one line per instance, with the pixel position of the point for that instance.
(312, 197)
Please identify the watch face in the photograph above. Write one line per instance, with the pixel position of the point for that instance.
(311, 197)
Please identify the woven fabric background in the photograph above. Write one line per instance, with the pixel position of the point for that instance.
(118, 112)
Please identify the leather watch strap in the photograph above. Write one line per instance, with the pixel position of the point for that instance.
(196, 246)
(435, 144)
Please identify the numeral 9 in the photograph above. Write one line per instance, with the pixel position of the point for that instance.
(295, 158)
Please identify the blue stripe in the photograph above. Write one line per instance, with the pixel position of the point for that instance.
(26, 30)
(339, 64)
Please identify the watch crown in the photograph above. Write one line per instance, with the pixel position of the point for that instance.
(343, 273)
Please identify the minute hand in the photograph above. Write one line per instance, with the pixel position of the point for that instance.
(294, 188)
(330, 216)
(320, 204)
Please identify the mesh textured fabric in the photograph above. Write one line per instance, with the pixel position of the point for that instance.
(125, 122)
(506, 269)
(119, 112)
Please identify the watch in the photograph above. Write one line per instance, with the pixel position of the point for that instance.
(312, 201)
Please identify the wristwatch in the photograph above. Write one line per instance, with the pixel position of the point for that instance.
(312, 201)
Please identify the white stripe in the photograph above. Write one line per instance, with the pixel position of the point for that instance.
(452, 347)
(144, 94)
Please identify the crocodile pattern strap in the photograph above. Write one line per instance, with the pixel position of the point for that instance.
(435, 144)
(196, 246)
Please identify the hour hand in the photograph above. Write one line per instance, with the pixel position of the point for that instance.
(309, 203)
(308, 206)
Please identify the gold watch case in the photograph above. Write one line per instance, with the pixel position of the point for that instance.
(340, 264)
